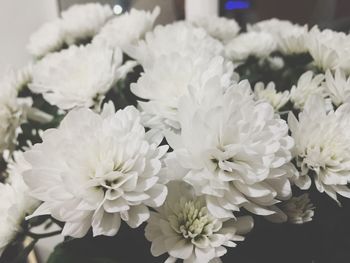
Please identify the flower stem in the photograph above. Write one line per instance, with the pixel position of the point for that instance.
(44, 235)
(25, 252)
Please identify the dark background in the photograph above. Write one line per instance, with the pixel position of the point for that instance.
(333, 14)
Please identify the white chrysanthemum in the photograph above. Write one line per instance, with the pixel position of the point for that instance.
(269, 94)
(220, 28)
(17, 79)
(184, 228)
(257, 44)
(96, 170)
(299, 210)
(169, 78)
(78, 76)
(81, 22)
(290, 38)
(12, 109)
(337, 87)
(11, 215)
(127, 28)
(15, 202)
(234, 149)
(180, 37)
(322, 147)
(48, 38)
(329, 49)
(307, 85)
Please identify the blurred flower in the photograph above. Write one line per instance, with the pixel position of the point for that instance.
(329, 49)
(15, 202)
(184, 228)
(234, 149)
(127, 28)
(82, 22)
(220, 28)
(274, 62)
(169, 78)
(78, 76)
(290, 38)
(48, 38)
(257, 44)
(96, 170)
(269, 94)
(322, 143)
(180, 37)
(299, 209)
(337, 87)
(308, 85)
(12, 109)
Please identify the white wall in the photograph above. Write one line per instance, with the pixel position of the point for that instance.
(18, 19)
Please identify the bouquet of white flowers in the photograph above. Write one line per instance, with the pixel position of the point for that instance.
(167, 143)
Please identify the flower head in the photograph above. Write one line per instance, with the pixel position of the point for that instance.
(329, 49)
(322, 144)
(15, 202)
(127, 29)
(307, 85)
(48, 38)
(12, 109)
(233, 149)
(246, 44)
(180, 37)
(81, 22)
(269, 94)
(169, 78)
(220, 28)
(96, 170)
(337, 86)
(78, 76)
(299, 210)
(184, 228)
(290, 37)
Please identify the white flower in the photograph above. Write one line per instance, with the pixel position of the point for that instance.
(274, 62)
(337, 87)
(269, 94)
(322, 147)
(96, 170)
(82, 22)
(220, 28)
(12, 109)
(184, 228)
(11, 215)
(78, 23)
(17, 79)
(308, 85)
(169, 78)
(234, 149)
(257, 44)
(48, 38)
(290, 37)
(299, 209)
(180, 37)
(77, 76)
(329, 49)
(127, 28)
(15, 203)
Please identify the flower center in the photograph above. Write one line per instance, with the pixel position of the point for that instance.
(192, 220)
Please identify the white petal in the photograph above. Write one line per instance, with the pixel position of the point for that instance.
(157, 195)
(137, 215)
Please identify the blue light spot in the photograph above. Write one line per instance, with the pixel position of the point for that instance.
(235, 5)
